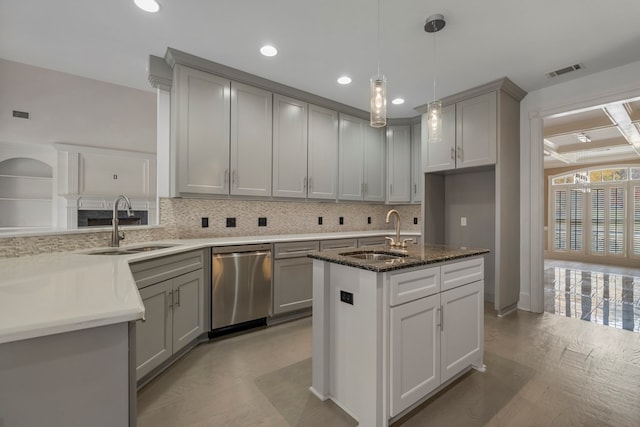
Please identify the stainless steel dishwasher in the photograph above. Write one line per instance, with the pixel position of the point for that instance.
(241, 284)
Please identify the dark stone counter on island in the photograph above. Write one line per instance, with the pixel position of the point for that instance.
(413, 256)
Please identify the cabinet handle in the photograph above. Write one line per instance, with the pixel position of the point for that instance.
(362, 188)
(415, 188)
(453, 153)
(310, 184)
(234, 178)
(170, 299)
(304, 183)
(460, 153)
(226, 176)
(177, 295)
(441, 319)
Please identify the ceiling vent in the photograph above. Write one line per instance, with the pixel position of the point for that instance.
(564, 70)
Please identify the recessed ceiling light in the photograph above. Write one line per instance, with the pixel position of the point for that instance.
(268, 50)
(398, 101)
(148, 5)
(344, 80)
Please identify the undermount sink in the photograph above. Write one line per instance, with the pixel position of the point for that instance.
(128, 251)
(373, 256)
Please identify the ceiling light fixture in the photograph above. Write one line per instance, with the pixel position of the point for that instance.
(151, 6)
(434, 24)
(378, 102)
(583, 137)
(268, 50)
(398, 101)
(344, 80)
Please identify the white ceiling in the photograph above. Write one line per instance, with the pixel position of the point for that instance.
(320, 40)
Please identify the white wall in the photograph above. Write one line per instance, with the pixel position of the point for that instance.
(595, 89)
(76, 110)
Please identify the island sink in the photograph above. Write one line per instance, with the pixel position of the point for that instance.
(373, 256)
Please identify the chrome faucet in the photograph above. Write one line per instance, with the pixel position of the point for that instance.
(116, 235)
(394, 243)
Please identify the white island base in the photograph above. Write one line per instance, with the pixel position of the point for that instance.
(400, 336)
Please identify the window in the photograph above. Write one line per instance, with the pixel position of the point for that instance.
(596, 212)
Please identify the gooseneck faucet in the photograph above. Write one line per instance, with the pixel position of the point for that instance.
(396, 242)
(116, 235)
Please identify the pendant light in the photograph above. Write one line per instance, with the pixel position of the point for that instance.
(378, 102)
(434, 24)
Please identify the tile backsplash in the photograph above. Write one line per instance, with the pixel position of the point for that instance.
(182, 219)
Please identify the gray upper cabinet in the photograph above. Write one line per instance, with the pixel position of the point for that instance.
(438, 156)
(417, 177)
(469, 135)
(322, 153)
(361, 161)
(289, 147)
(399, 163)
(251, 140)
(476, 131)
(201, 123)
(223, 135)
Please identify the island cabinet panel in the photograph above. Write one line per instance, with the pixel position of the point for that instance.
(462, 328)
(462, 272)
(415, 351)
(415, 284)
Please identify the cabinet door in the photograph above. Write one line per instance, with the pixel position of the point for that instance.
(188, 308)
(415, 351)
(399, 163)
(202, 131)
(251, 148)
(374, 164)
(476, 126)
(417, 176)
(439, 156)
(289, 147)
(292, 284)
(350, 164)
(154, 335)
(323, 153)
(462, 328)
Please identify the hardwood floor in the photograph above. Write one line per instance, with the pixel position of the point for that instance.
(542, 370)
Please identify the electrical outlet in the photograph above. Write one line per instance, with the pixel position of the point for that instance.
(463, 221)
(231, 222)
(368, 220)
(341, 220)
(205, 222)
(262, 222)
(415, 220)
(319, 220)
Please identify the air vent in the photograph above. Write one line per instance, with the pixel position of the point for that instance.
(564, 70)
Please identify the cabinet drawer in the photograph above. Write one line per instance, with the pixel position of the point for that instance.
(462, 272)
(371, 241)
(294, 249)
(155, 270)
(338, 244)
(413, 285)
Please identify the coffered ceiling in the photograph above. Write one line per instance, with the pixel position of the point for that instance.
(601, 134)
(318, 41)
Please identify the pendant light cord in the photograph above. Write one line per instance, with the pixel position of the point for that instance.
(378, 38)
(434, 66)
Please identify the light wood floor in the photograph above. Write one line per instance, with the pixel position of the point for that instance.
(542, 370)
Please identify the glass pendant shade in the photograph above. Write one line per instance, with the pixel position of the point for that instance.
(434, 121)
(378, 103)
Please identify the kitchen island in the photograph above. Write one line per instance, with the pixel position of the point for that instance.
(392, 329)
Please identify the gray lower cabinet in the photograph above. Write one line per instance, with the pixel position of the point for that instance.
(292, 276)
(172, 290)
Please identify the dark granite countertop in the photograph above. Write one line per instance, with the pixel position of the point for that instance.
(413, 256)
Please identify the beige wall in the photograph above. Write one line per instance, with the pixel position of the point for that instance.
(76, 110)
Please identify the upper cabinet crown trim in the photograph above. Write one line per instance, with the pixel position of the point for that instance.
(160, 73)
(174, 56)
(503, 84)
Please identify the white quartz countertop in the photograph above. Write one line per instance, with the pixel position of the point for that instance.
(50, 294)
